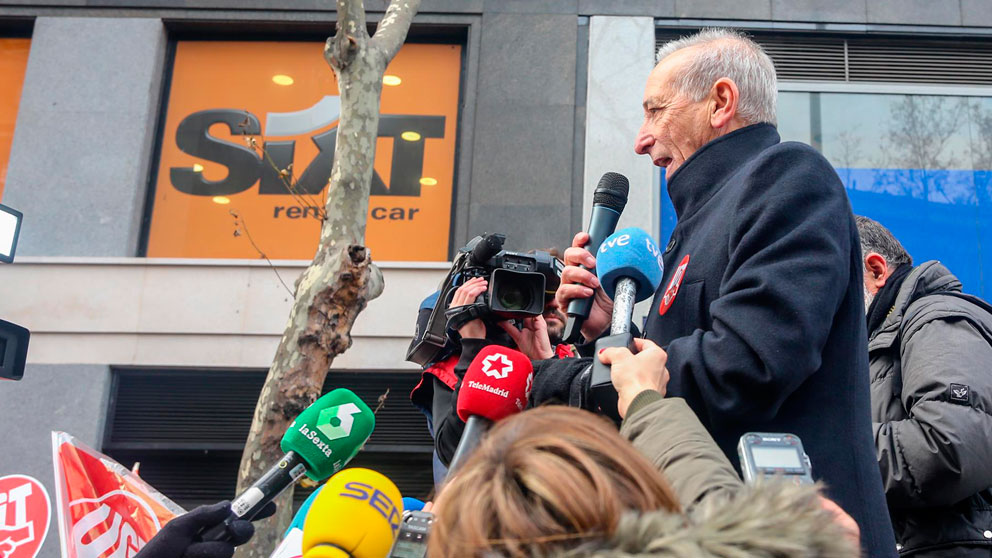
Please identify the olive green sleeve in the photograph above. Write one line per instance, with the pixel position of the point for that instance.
(669, 434)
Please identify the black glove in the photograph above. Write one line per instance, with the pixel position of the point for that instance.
(180, 537)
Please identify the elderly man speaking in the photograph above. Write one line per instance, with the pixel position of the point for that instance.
(760, 313)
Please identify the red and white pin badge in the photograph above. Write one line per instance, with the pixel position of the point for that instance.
(673, 286)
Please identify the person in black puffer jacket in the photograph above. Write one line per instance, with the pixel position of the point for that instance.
(930, 353)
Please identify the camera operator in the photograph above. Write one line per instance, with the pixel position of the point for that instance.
(472, 308)
(532, 339)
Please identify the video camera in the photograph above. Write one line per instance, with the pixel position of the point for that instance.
(519, 286)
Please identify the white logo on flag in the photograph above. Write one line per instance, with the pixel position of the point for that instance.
(21, 531)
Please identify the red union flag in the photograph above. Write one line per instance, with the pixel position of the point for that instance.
(105, 510)
(25, 512)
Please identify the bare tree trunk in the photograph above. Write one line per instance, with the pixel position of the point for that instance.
(341, 280)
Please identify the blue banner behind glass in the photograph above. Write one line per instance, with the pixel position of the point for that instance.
(937, 215)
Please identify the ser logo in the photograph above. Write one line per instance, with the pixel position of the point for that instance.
(246, 167)
(377, 499)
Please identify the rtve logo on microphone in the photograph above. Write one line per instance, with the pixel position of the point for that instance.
(283, 131)
(497, 370)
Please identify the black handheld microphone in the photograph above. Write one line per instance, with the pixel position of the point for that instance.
(608, 201)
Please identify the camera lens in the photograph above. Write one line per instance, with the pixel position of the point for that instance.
(514, 297)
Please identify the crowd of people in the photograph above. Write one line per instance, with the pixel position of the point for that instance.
(780, 311)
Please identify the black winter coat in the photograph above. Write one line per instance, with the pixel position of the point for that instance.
(762, 314)
(931, 396)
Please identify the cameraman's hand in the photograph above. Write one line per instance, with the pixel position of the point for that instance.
(633, 373)
(180, 537)
(582, 283)
(466, 294)
(533, 339)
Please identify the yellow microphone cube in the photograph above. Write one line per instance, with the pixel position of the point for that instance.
(357, 514)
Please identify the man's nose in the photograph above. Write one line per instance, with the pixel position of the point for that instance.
(643, 142)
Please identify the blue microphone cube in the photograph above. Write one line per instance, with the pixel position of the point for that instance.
(632, 253)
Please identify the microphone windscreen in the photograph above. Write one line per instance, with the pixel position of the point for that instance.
(611, 191)
(329, 433)
(630, 252)
(358, 512)
(496, 384)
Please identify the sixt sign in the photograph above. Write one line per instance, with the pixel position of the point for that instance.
(246, 168)
(248, 143)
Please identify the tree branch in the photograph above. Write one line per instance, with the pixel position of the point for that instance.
(392, 30)
(351, 35)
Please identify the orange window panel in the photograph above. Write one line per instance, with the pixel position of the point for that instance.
(13, 63)
(285, 97)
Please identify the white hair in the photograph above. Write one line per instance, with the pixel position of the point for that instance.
(727, 53)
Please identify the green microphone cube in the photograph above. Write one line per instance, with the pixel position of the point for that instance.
(329, 433)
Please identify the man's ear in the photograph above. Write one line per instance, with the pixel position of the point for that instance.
(723, 103)
(876, 270)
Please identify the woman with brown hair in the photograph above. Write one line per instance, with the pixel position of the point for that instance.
(560, 482)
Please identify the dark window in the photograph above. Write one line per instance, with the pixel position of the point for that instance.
(188, 428)
(851, 58)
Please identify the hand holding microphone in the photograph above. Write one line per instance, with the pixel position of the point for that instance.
(630, 270)
(318, 443)
(179, 538)
(578, 283)
(608, 201)
(633, 373)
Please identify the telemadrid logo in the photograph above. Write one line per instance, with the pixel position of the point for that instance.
(489, 366)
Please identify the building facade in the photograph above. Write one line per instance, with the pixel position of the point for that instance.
(143, 141)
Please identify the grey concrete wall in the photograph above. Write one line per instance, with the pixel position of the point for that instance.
(79, 162)
(69, 398)
(523, 147)
(967, 13)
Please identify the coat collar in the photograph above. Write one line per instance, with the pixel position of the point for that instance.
(927, 278)
(766, 519)
(706, 171)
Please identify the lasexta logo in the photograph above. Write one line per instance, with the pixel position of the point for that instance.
(337, 421)
(25, 512)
